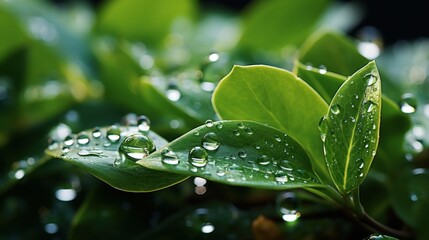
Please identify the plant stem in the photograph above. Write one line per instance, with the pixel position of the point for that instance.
(370, 222)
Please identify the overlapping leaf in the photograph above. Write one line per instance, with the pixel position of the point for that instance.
(350, 130)
(240, 153)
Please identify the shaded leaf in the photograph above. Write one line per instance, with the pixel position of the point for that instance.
(242, 153)
(100, 157)
(275, 24)
(276, 97)
(350, 131)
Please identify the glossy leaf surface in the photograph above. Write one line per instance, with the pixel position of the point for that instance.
(350, 130)
(278, 98)
(99, 156)
(242, 153)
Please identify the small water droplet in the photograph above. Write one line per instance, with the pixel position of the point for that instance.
(277, 138)
(137, 146)
(213, 57)
(82, 139)
(370, 106)
(370, 79)
(263, 160)
(198, 156)
(323, 127)
(242, 154)
(257, 146)
(113, 133)
(210, 141)
(248, 130)
(209, 123)
(173, 93)
(236, 133)
(408, 103)
(143, 123)
(323, 69)
(96, 133)
(219, 125)
(94, 152)
(169, 157)
(69, 140)
(286, 165)
(117, 162)
(281, 177)
(335, 109)
(66, 150)
(240, 125)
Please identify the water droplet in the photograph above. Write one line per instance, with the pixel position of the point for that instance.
(113, 133)
(96, 133)
(210, 141)
(130, 119)
(370, 79)
(286, 165)
(236, 133)
(117, 162)
(198, 156)
(323, 69)
(213, 57)
(66, 150)
(169, 157)
(209, 123)
(94, 152)
(408, 103)
(323, 127)
(208, 86)
(19, 174)
(220, 171)
(335, 109)
(143, 123)
(240, 125)
(219, 125)
(173, 93)
(263, 160)
(414, 197)
(248, 130)
(281, 177)
(69, 140)
(137, 146)
(82, 139)
(287, 204)
(257, 146)
(370, 106)
(65, 194)
(277, 138)
(242, 154)
(51, 228)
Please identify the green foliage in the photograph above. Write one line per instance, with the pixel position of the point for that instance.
(254, 151)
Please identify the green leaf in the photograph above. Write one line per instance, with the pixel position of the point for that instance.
(276, 97)
(242, 153)
(275, 24)
(143, 20)
(101, 158)
(350, 130)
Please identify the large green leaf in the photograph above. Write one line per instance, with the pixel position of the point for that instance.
(98, 153)
(350, 130)
(143, 20)
(276, 97)
(275, 24)
(242, 153)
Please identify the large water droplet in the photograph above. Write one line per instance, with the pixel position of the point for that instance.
(137, 146)
(213, 57)
(173, 93)
(82, 139)
(263, 160)
(209, 123)
(198, 156)
(408, 103)
(323, 69)
(69, 140)
(143, 123)
(335, 109)
(210, 141)
(113, 133)
(287, 204)
(281, 177)
(370, 79)
(169, 157)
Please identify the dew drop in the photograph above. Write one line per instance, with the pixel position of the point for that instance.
(96, 133)
(220, 171)
(287, 205)
(94, 152)
(263, 160)
(277, 138)
(323, 69)
(66, 150)
(370, 79)
(210, 141)
(219, 125)
(69, 140)
(240, 125)
(248, 130)
(209, 123)
(242, 154)
(335, 109)
(172, 93)
(370, 106)
(137, 146)
(286, 165)
(113, 133)
(257, 146)
(213, 57)
(198, 156)
(281, 177)
(236, 133)
(82, 139)
(408, 103)
(323, 127)
(143, 123)
(169, 157)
